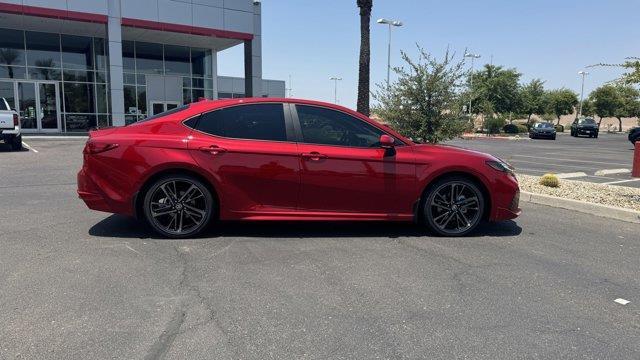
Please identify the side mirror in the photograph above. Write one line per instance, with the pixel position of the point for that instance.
(386, 141)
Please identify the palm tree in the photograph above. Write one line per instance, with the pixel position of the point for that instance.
(365, 56)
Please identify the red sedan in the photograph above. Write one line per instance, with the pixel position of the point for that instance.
(284, 159)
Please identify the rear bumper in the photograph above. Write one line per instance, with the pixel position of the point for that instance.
(10, 132)
(91, 194)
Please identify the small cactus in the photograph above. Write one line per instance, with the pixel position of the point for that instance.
(550, 180)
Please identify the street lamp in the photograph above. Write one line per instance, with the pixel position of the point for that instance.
(390, 23)
(473, 58)
(584, 74)
(335, 89)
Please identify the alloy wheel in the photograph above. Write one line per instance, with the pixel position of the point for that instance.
(178, 207)
(455, 208)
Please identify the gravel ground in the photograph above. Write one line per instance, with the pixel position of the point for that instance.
(624, 197)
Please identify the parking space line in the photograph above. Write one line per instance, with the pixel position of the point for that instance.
(573, 160)
(552, 164)
(29, 147)
(612, 171)
(621, 181)
(571, 175)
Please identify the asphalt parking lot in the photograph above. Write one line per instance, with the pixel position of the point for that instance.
(79, 284)
(607, 159)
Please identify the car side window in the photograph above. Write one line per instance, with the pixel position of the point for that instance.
(329, 127)
(252, 121)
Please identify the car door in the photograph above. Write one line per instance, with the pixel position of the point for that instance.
(250, 152)
(344, 169)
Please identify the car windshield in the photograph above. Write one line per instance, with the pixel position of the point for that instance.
(586, 121)
(544, 126)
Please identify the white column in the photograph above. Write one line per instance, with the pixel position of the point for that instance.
(256, 51)
(114, 36)
(214, 72)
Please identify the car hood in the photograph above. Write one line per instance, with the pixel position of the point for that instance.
(456, 151)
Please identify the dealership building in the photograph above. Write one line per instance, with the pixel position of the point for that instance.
(71, 65)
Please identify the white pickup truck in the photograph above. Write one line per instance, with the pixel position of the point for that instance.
(10, 126)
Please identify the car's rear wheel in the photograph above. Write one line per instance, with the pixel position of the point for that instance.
(454, 206)
(178, 206)
(16, 143)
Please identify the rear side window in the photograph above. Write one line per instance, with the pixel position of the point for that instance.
(254, 121)
(3, 104)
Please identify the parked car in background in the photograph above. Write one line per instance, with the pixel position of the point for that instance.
(585, 126)
(286, 159)
(10, 126)
(634, 135)
(542, 130)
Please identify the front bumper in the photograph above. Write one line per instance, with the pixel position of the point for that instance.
(587, 131)
(542, 135)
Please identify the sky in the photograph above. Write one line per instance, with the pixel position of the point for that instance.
(312, 41)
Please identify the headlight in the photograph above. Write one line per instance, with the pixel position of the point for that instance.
(502, 166)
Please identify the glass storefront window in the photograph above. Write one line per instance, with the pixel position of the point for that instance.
(43, 49)
(130, 102)
(12, 72)
(128, 56)
(11, 47)
(78, 97)
(149, 58)
(176, 60)
(78, 75)
(102, 99)
(201, 63)
(142, 99)
(77, 52)
(100, 49)
(44, 74)
(80, 122)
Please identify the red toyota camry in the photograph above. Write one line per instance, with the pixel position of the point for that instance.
(285, 159)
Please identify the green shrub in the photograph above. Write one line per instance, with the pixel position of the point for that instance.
(559, 128)
(510, 129)
(549, 180)
(494, 124)
(522, 129)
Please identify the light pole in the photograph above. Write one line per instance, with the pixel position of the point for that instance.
(583, 73)
(473, 58)
(390, 23)
(335, 89)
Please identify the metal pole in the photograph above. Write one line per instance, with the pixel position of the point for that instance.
(335, 91)
(389, 57)
(583, 73)
(471, 85)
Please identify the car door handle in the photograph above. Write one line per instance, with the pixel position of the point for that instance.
(314, 155)
(213, 149)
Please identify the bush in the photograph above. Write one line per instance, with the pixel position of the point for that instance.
(549, 180)
(494, 124)
(510, 129)
(522, 129)
(559, 128)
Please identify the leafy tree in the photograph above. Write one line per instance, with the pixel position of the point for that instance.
(561, 102)
(364, 71)
(424, 102)
(533, 98)
(588, 108)
(633, 76)
(630, 103)
(496, 90)
(606, 100)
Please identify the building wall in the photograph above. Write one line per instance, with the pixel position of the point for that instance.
(230, 15)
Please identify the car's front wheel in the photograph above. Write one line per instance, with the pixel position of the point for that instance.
(178, 206)
(454, 206)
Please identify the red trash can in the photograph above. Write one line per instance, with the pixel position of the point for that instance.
(636, 161)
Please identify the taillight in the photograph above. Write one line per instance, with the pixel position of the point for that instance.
(97, 148)
(16, 120)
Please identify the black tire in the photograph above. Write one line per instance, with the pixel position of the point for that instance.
(553, 138)
(184, 206)
(16, 143)
(439, 211)
(596, 135)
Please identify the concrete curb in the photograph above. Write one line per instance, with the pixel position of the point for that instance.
(606, 211)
